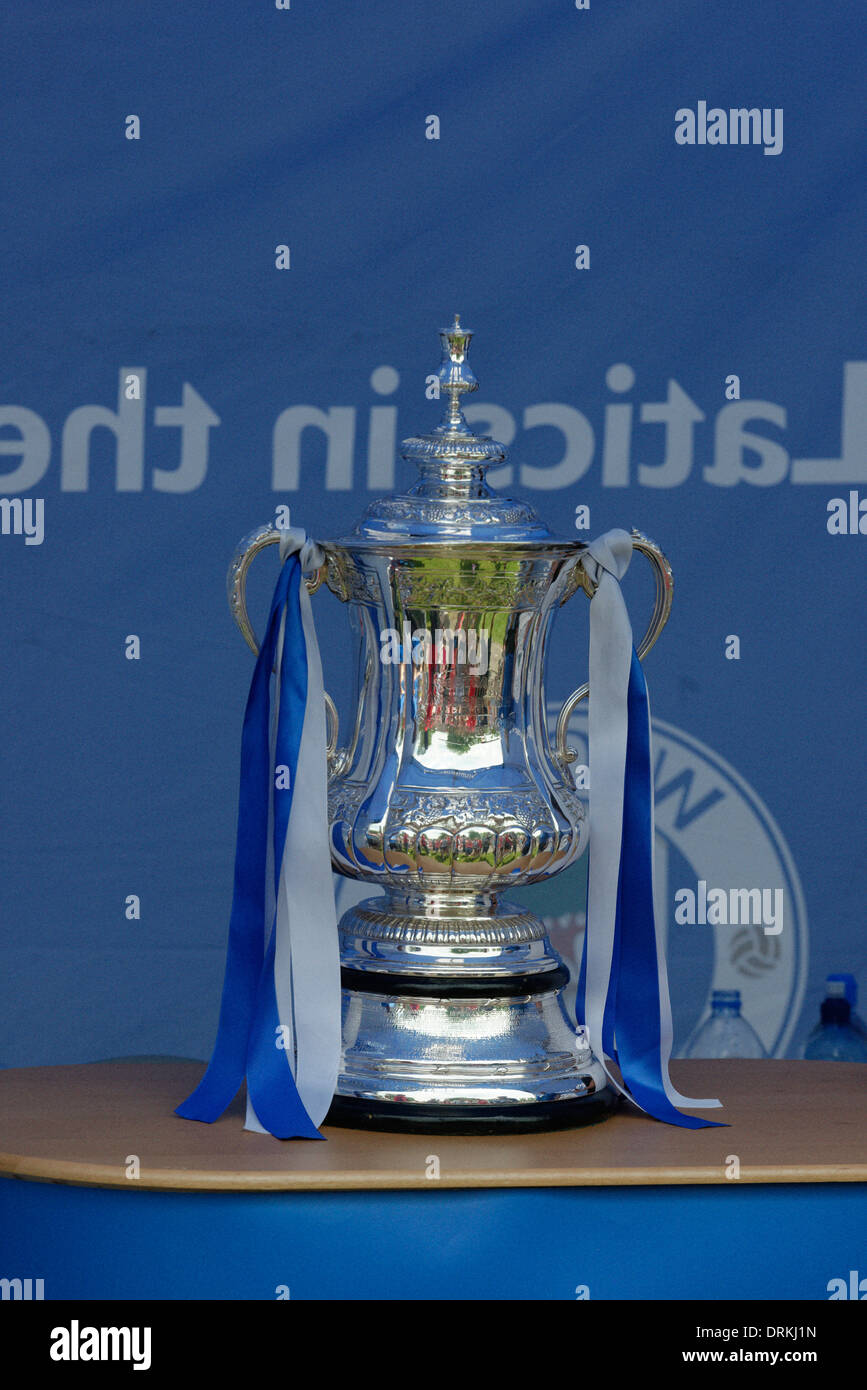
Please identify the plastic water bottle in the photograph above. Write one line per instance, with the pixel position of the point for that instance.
(835, 1040)
(850, 989)
(726, 1033)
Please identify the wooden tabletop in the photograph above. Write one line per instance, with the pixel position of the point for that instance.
(86, 1124)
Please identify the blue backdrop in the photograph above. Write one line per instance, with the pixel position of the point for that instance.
(149, 249)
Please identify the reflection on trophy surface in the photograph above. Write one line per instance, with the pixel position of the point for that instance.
(448, 792)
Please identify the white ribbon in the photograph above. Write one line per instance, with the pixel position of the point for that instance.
(307, 959)
(606, 561)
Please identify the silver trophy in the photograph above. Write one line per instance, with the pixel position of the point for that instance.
(450, 792)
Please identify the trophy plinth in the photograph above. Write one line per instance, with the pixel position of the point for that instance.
(449, 793)
(454, 1021)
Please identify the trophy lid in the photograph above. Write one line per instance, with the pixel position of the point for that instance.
(452, 500)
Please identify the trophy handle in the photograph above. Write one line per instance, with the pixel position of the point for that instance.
(236, 586)
(661, 609)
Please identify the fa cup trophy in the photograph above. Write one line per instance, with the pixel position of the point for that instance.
(449, 792)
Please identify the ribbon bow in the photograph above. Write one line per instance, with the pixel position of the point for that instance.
(623, 986)
(280, 1012)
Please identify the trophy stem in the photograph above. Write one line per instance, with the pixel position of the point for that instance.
(442, 932)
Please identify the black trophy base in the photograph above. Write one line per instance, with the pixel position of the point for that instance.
(400, 1117)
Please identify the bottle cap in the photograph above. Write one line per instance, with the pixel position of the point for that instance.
(850, 987)
(726, 996)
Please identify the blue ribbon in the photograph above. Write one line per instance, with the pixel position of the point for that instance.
(250, 1028)
(632, 1018)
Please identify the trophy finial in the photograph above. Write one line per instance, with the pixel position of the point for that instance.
(455, 376)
